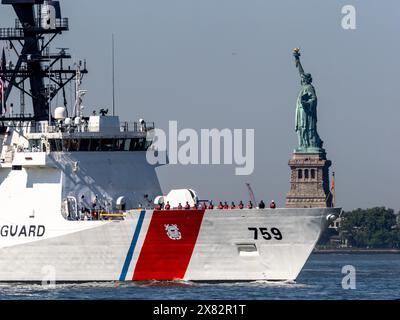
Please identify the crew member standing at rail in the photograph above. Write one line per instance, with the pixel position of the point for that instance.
(94, 202)
(272, 205)
(241, 205)
(261, 205)
(94, 210)
(250, 205)
(82, 207)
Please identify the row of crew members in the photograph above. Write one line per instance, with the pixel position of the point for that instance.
(221, 206)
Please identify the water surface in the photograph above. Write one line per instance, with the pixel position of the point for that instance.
(377, 277)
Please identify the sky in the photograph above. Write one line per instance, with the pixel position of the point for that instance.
(228, 64)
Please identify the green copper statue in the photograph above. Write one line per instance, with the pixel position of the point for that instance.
(306, 112)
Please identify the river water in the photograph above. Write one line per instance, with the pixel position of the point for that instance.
(376, 276)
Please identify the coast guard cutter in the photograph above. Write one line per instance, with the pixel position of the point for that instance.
(76, 191)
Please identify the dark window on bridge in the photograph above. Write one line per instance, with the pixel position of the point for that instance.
(137, 145)
(119, 145)
(94, 145)
(306, 174)
(73, 145)
(84, 145)
(300, 174)
(312, 173)
(106, 144)
(55, 145)
(65, 145)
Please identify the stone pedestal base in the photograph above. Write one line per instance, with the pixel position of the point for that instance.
(309, 181)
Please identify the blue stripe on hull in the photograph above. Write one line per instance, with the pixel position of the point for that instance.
(132, 247)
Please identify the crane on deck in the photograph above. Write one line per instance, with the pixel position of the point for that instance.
(251, 193)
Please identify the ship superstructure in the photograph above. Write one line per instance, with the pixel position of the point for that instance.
(84, 148)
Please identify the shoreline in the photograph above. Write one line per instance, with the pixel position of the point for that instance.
(355, 251)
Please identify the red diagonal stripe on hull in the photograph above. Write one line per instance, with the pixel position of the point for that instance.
(162, 258)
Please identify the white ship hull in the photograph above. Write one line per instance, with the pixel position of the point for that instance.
(215, 245)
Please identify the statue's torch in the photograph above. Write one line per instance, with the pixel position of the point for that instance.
(297, 54)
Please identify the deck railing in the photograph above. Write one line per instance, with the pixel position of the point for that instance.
(42, 127)
(61, 23)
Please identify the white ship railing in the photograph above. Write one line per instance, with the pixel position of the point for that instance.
(55, 127)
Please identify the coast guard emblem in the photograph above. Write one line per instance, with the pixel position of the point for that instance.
(173, 231)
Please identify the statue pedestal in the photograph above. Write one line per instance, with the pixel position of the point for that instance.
(309, 181)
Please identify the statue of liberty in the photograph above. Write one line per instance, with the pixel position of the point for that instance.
(306, 112)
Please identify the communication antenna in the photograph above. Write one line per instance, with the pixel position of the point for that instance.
(113, 74)
(333, 190)
(49, 91)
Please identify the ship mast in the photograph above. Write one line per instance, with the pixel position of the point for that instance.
(113, 75)
(38, 23)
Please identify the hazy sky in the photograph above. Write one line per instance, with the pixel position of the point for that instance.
(229, 64)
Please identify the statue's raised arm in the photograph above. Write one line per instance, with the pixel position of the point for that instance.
(296, 54)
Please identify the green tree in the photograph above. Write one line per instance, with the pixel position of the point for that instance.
(370, 228)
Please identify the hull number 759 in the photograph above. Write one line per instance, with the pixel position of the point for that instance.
(266, 234)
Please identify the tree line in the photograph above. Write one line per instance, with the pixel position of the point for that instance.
(377, 227)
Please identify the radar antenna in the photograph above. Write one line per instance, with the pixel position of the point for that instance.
(38, 23)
